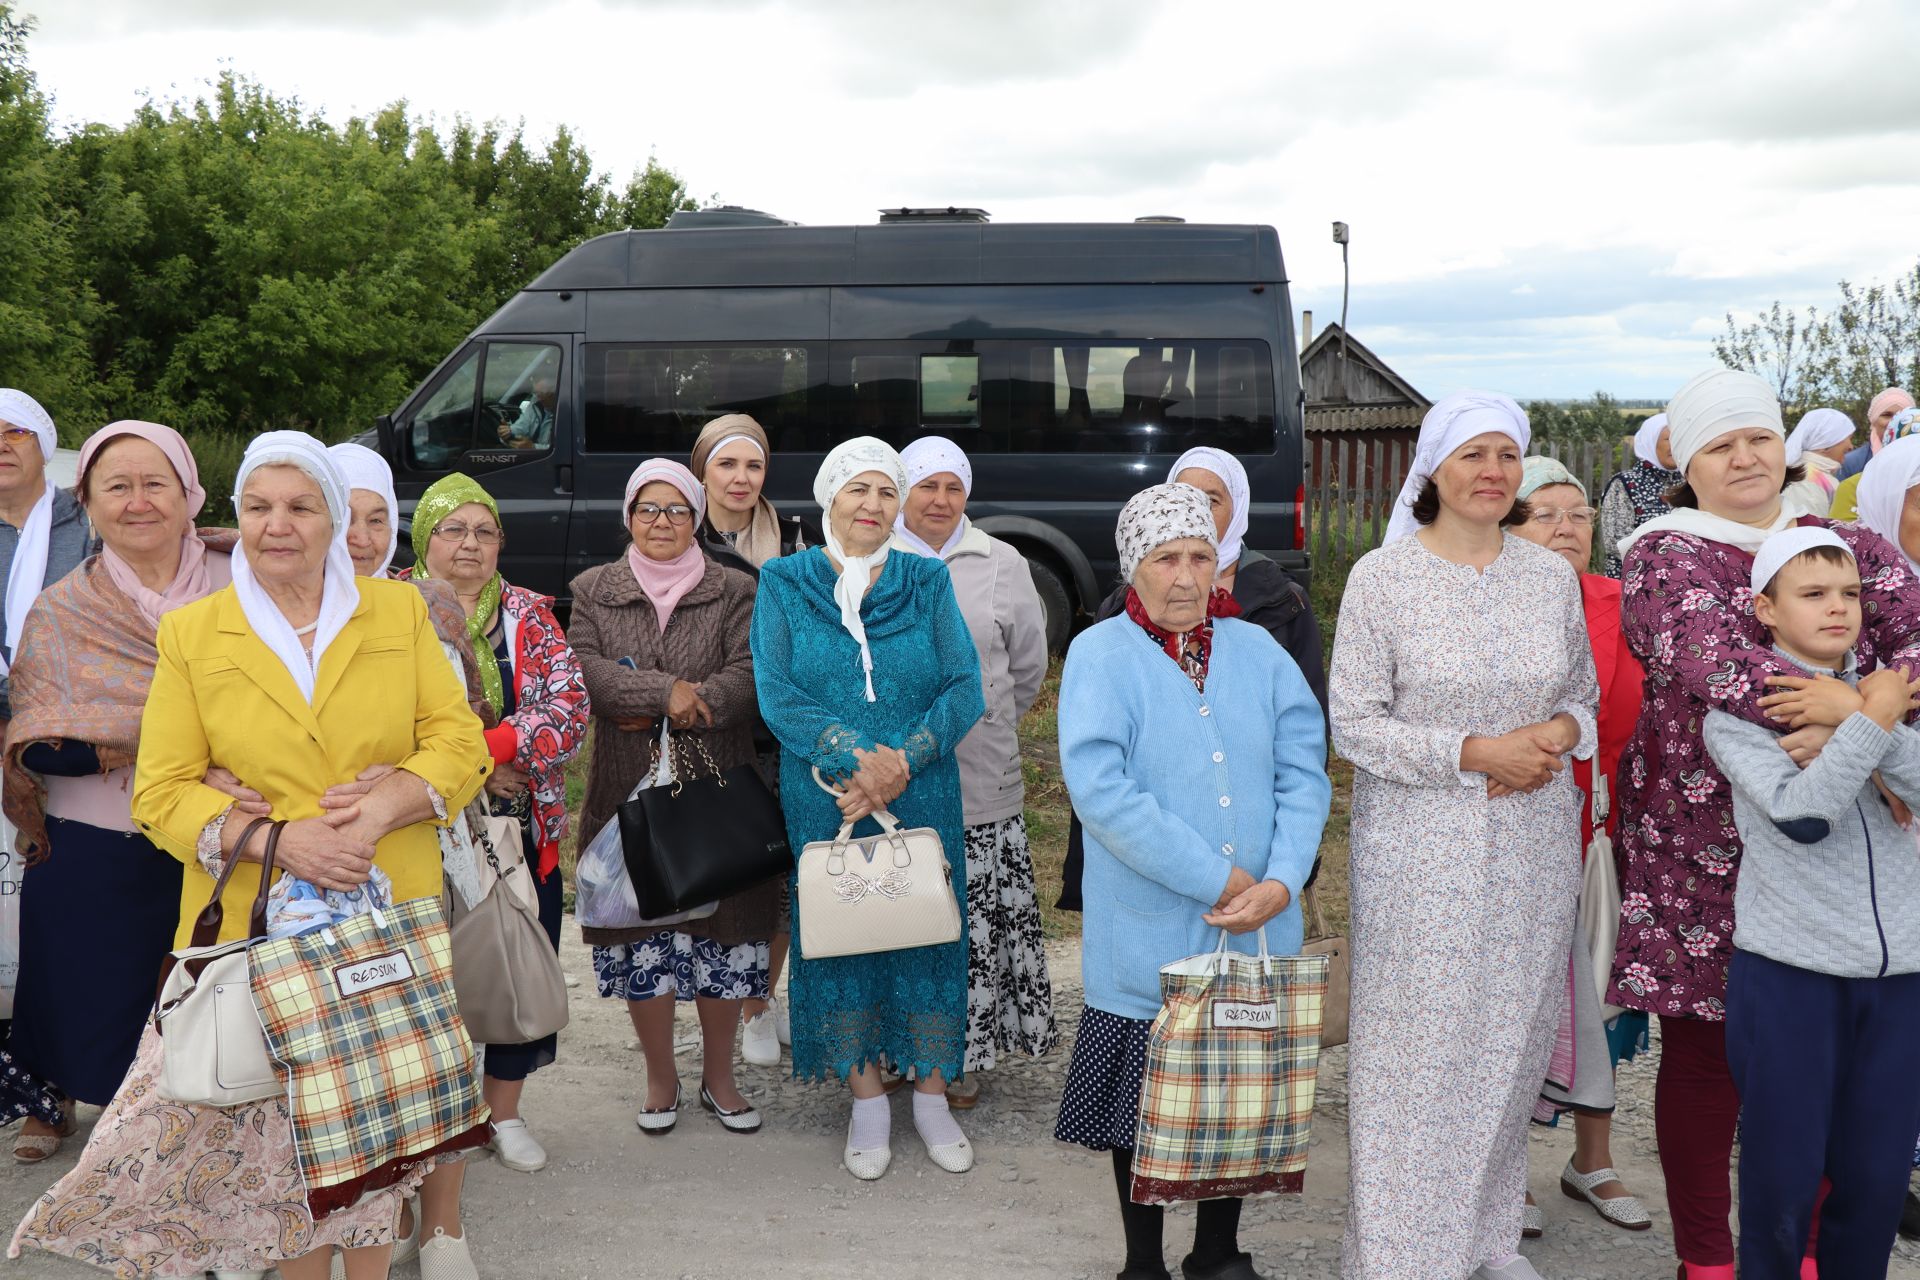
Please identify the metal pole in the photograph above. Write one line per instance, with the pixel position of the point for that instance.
(1345, 281)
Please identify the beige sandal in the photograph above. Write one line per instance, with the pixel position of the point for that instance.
(32, 1148)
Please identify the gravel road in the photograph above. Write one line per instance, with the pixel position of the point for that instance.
(700, 1203)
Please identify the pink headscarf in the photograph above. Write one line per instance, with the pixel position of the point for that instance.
(1892, 397)
(196, 575)
(666, 581)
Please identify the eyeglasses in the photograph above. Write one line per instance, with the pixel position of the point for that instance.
(18, 435)
(649, 512)
(485, 534)
(1580, 516)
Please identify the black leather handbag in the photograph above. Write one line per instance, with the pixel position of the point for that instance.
(698, 840)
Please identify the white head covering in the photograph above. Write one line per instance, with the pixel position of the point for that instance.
(1448, 425)
(1540, 471)
(339, 591)
(1819, 429)
(1714, 403)
(930, 456)
(362, 468)
(1156, 516)
(1646, 441)
(1785, 545)
(852, 458)
(676, 475)
(22, 410)
(28, 572)
(1884, 485)
(1234, 476)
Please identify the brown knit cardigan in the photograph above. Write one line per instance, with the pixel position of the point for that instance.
(705, 643)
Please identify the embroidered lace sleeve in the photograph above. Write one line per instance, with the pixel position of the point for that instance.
(208, 846)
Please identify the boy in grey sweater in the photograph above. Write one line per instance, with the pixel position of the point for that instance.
(1823, 1001)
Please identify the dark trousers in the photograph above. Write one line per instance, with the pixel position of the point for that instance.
(1825, 1067)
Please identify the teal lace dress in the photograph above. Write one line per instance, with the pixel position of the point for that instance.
(907, 1009)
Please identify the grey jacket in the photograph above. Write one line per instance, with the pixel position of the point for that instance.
(1828, 881)
(1009, 630)
(68, 543)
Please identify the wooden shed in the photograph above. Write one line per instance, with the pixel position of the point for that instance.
(1353, 404)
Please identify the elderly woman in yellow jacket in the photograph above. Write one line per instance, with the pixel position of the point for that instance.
(303, 682)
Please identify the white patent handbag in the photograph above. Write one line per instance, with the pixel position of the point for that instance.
(884, 892)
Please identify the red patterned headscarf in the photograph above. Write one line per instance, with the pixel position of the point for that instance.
(1192, 650)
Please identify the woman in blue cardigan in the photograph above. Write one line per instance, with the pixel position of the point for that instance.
(1196, 757)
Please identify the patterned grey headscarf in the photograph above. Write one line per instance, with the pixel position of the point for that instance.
(1156, 516)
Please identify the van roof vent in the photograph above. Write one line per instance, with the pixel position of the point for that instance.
(949, 214)
(724, 215)
(1159, 217)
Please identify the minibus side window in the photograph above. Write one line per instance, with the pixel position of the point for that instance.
(650, 398)
(501, 395)
(442, 427)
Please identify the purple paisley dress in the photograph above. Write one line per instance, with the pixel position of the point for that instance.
(1687, 613)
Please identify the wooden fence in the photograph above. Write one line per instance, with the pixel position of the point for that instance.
(1350, 493)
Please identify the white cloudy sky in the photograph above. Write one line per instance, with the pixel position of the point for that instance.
(1545, 199)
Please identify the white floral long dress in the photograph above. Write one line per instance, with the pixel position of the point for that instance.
(1463, 906)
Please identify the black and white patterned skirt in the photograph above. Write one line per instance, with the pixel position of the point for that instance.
(1009, 995)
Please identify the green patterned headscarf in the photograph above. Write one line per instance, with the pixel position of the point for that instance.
(441, 500)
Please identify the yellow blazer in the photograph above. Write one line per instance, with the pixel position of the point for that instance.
(384, 694)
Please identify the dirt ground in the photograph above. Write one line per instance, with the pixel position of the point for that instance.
(700, 1203)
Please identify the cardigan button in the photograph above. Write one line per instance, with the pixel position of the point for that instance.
(1225, 801)
(1218, 756)
(1227, 849)
(1206, 710)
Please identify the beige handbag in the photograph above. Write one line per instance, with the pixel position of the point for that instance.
(214, 1050)
(885, 892)
(506, 976)
(1333, 1015)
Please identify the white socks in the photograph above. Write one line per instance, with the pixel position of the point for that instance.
(934, 1120)
(871, 1128)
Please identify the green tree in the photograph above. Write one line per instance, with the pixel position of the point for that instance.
(1597, 419)
(45, 311)
(1841, 358)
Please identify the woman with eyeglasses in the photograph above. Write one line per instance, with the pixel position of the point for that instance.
(533, 682)
(1559, 519)
(662, 634)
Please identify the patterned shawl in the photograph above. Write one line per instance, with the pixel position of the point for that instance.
(1193, 650)
(1647, 487)
(442, 498)
(83, 671)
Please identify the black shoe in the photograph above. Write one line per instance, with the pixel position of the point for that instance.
(1239, 1266)
(1910, 1218)
(1144, 1273)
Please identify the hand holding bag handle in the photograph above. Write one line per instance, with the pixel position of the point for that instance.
(206, 926)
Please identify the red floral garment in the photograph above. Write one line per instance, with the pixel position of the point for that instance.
(550, 695)
(1687, 612)
(1193, 649)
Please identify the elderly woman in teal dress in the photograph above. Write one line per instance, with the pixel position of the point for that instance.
(865, 671)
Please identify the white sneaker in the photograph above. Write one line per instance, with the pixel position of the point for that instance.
(518, 1150)
(1516, 1269)
(759, 1041)
(782, 1022)
(446, 1257)
(244, 1275)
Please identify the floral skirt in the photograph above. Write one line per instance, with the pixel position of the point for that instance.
(168, 1189)
(681, 966)
(1009, 995)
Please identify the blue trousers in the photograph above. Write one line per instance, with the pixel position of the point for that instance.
(1828, 1081)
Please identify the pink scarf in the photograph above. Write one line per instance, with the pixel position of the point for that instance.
(197, 575)
(666, 581)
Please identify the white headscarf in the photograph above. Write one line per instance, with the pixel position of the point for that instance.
(1159, 515)
(1646, 441)
(852, 458)
(362, 468)
(1784, 546)
(1449, 424)
(930, 456)
(1819, 429)
(1234, 476)
(339, 591)
(28, 572)
(1884, 485)
(1714, 403)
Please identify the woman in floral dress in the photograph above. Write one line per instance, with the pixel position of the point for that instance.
(1687, 612)
(1462, 680)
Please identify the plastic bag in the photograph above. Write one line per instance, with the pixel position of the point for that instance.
(295, 906)
(11, 869)
(603, 892)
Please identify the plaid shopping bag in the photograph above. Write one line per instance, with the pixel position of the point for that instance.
(362, 1014)
(1226, 1107)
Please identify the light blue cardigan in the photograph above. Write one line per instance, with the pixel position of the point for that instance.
(1176, 789)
